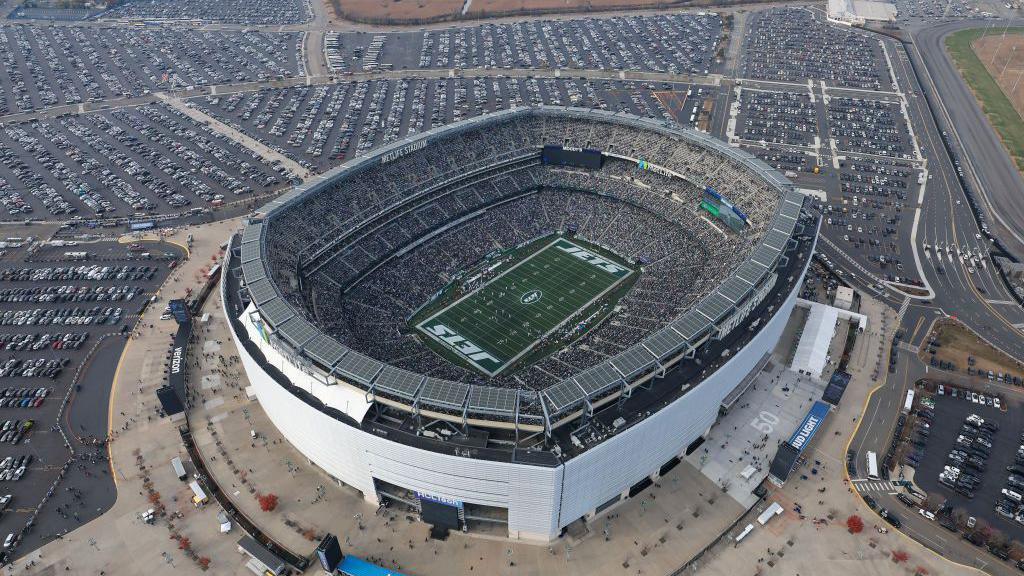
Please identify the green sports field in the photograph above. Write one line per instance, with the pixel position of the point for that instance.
(547, 295)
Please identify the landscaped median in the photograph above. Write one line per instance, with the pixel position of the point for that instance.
(994, 102)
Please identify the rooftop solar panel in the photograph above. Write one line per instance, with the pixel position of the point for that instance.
(252, 232)
(444, 393)
(764, 256)
(715, 306)
(253, 271)
(691, 325)
(399, 382)
(297, 331)
(358, 367)
(262, 291)
(250, 252)
(664, 342)
(563, 395)
(598, 379)
(325, 350)
(776, 239)
(277, 312)
(492, 399)
(751, 272)
(734, 289)
(633, 361)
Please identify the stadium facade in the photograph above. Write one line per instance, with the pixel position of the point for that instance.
(501, 456)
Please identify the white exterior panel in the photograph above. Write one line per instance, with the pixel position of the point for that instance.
(613, 466)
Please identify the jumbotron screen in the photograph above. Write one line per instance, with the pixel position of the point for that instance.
(579, 157)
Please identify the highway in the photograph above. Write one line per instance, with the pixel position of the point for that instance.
(979, 299)
(989, 167)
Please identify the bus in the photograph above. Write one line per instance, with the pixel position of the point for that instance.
(908, 404)
(872, 466)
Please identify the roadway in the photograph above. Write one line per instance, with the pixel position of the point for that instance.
(979, 299)
(989, 168)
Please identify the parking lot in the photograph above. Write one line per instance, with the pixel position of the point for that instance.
(770, 117)
(869, 126)
(53, 65)
(947, 434)
(62, 329)
(150, 159)
(847, 126)
(674, 43)
(253, 12)
(321, 126)
(792, 45)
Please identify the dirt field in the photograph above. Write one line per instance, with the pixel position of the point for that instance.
(397, 11)
(481, 8)
(1004, 60)
(957, 343)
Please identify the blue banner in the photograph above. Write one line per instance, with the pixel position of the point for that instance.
(814, 419)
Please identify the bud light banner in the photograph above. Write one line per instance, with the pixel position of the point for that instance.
(814, 420)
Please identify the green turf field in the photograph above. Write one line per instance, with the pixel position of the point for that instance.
(504, 319)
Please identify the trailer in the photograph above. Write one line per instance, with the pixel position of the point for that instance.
(179, 468)
(199, 497)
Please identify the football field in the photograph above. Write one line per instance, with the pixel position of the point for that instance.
(496, 324)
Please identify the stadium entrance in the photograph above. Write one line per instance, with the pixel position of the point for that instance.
(522, 304)
(442, 513)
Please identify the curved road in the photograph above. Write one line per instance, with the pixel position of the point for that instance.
(985, 159)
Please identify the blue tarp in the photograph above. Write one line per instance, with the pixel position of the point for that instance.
(353, 566)
(814, 419)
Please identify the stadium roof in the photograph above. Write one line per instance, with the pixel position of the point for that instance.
(688, 330)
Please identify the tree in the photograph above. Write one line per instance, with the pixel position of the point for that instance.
(899, 556)
(1016, 550)
(997, 539)
(855, 524)
(268, 502)
(960, 516)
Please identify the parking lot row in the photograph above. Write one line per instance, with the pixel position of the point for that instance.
(45, 66)
(794, 45)
(149, 159)
(674, 43)
(321, 126)
(251, 12)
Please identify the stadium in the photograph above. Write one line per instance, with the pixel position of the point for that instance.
(512, 323)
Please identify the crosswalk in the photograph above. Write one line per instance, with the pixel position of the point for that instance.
(868, 485)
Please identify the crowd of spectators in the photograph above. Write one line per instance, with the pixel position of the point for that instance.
(393, 235)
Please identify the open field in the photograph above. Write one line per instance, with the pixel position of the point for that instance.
(396, 11)
(963, 46)
(1004, 60)
(956, 343)
(555, 294)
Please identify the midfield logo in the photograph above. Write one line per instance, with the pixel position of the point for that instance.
(592, 258)
(531, 297)
(460, 344)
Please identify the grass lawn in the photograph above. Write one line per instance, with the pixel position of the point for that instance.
(957, 342)
(1000, 111)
